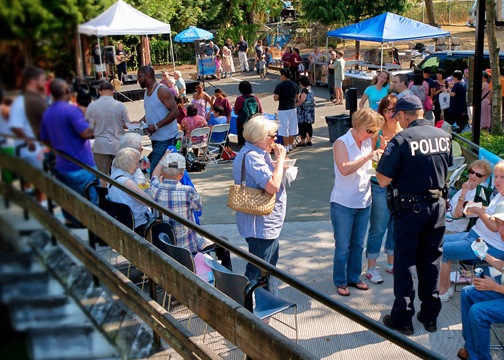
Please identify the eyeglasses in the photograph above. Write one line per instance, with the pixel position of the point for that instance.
(471, 171)
(272, 136)
(388, 110)
(370, 132)
(165, 75)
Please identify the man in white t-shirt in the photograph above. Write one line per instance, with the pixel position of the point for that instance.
(479, 171)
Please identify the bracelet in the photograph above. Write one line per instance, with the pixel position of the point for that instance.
(461, 198)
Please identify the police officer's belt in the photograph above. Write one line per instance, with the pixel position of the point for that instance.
(408, 199)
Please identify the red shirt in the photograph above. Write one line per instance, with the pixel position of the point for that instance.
(241, 100)
(225, 104)
(182, 114)
(286, 58)
(295, 57)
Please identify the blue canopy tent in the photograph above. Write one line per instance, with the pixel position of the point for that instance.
(388, 27)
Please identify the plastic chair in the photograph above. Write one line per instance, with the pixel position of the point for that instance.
(456, 175)
(199, 140)
(457, 162)
(234, 285)
(216, 145)
(180, 255)
(465, 265)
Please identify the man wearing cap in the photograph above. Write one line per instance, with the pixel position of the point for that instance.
(415, 163)
(483, 304)
(167, 191)
(108, 118)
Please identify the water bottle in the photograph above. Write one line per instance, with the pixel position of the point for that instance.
(146, 161)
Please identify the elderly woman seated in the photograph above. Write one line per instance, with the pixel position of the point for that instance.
(123, 171)
(457, 247)
(482, 304)
(479, 171)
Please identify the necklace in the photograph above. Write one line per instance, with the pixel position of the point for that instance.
(152, 89)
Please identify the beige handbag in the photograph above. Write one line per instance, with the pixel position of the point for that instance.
(250, 200)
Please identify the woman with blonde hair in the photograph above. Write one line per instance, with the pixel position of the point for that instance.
(351, 197)
(377, 91)
(262, 232)
(227, 62)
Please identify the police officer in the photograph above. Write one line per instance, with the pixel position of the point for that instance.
(415, 163)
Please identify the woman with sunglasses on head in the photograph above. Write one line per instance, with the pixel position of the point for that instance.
(200, 100)
(457, 247)
(380, 218)
(351, 197)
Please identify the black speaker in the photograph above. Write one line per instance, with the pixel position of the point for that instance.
(199, 47)
(130, 79)
(109, 54)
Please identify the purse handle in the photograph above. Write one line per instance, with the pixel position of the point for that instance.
(242, 183)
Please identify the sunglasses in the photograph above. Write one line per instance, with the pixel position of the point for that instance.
(388, 110)
(370, 132)
(471, 171)
(272, 136)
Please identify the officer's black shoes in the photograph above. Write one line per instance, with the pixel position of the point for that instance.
(430, 326)
(406, 330)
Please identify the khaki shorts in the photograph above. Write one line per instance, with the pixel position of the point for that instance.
(103, 162)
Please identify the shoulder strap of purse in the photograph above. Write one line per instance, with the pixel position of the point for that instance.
(243, 170)
(483, 98)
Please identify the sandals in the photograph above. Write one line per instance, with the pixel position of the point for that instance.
(359, 285)
(343, 290)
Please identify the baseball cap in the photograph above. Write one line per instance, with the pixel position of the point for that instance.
(499, 211)
(171, 158)
(408, 102)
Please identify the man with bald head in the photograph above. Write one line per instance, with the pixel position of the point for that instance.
(65, 128)
(161, 114)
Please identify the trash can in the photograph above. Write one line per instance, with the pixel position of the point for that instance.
(251, 63)
(338, 125)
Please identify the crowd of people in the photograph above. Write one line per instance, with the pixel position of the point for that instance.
(377, 160)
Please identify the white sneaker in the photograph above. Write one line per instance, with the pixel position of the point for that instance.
(290, 147)
(374, 275)
(390, 268)
(447, 295)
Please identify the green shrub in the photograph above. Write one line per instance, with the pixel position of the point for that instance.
(492, 143)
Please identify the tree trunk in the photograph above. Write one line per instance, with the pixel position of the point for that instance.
(27, 51)
(431, 16)
(251, 17)
(78, 62)
(494, 66)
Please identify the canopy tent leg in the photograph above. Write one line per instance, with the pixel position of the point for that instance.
(172, 53)
(101, 63)
(327, 44)
(148, 50)
(381, 61)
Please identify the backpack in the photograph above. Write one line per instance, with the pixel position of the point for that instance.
(250, 108)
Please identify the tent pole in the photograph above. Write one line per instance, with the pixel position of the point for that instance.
(172, 53)
(381, 62)
(101, 63)
(326, 44)
(148, 50)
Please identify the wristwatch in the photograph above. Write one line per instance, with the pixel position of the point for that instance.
(156, 127)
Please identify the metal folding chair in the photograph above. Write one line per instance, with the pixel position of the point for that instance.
(199, 140)
(218, 145)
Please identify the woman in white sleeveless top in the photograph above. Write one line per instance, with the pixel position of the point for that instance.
(351, 197)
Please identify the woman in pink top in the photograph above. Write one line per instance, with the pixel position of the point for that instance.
(191, 122)
(200, 100)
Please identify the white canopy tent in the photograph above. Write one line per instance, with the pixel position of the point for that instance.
(123, 19)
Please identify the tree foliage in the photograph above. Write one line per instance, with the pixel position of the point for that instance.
(329, 12)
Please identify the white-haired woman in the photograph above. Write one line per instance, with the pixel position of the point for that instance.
(262, 232)
(180, 83)
(123, 171)
(134, 141)
(227, 62)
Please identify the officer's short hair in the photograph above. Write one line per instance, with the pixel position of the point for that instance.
(419, 113)
(367, 119)
(499, 167)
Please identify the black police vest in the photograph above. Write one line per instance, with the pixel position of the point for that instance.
(426, 153)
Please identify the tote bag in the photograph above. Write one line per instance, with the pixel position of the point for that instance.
(444, 100)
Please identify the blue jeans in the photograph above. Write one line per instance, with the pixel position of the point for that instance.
(458, 247)
(159, 149)
(268, 251)
(77, 180)
(350, 227)
(381, 221)
(479, 310)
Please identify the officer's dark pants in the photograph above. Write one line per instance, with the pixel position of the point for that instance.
(418, 242)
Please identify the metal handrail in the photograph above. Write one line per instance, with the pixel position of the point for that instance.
(467, 142)
(343, 309)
